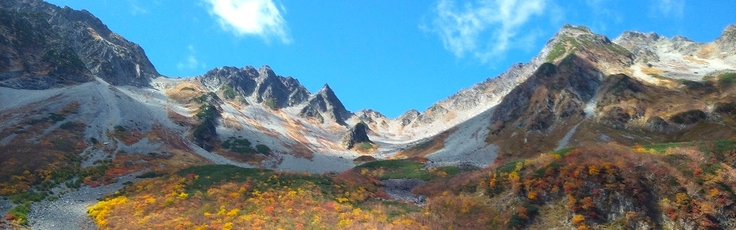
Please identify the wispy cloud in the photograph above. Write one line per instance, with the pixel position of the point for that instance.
(602, 14)
(484, 29)
(137, 8)
(190, 62)
(251, 17)
(669, 8)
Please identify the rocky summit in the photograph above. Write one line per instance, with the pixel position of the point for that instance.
(638, 132)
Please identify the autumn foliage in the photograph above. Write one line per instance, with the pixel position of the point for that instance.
(227, 197)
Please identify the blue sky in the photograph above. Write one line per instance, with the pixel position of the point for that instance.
(390, 56)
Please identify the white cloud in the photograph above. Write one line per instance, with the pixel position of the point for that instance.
(485, 29)
(190, 62)
(670, 8)
(251, 17)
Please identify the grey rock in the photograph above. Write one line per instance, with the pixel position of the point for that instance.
(102, 53)
(325, 102)
(408, 117)
(657, 124)
(356, 135)
(258, 86)
(726, 43)
(33, 55)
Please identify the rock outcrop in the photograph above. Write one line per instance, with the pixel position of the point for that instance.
(726, 43)
(356, 135)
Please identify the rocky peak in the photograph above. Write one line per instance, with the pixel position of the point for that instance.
(325, 102)
(573, 31)
(408, 117)
(258, 86)
(371, 117)
(266, 72)
(595, 48)
(726, 43)
(276, 91)
(369, 114)
(635, 39)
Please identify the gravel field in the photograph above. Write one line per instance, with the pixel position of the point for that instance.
(70, 210)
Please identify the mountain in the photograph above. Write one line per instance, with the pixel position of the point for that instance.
(553, 141)
(73, 42)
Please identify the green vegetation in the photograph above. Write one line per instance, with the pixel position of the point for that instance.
(151, 175)
(727, 78)
(228, 92)
(55, 117)
(557, 51)
(657, 76)
(510, 166)
(271, 103)
(69, 125)
(242, 145)
(207, 112)
(20, 213)
(563, 151)
(263, 149)
(366, 145)
(239, 145)
(62, 144)
(420, 146)
(65, 58)
(29, 196)
(398, 169)
(717, 149)
(208, 97)
(187, 88)
(320, 118)
(120, 128)
(211, 175)
(694, 85)
(662, 147)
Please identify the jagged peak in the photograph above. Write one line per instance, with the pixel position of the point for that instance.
(326, 90)
(372, 112)
(411, 112)
(249, 68)
(573, 31)
(678, 38)
(728, 32)
(266, 72)
(730, 28)
(637, 35)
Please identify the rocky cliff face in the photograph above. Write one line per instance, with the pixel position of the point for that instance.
(325, 103)
(105, 54)
(34, 57)
(726, 43)
(263, 86)
(356, 135)
(257, 86)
